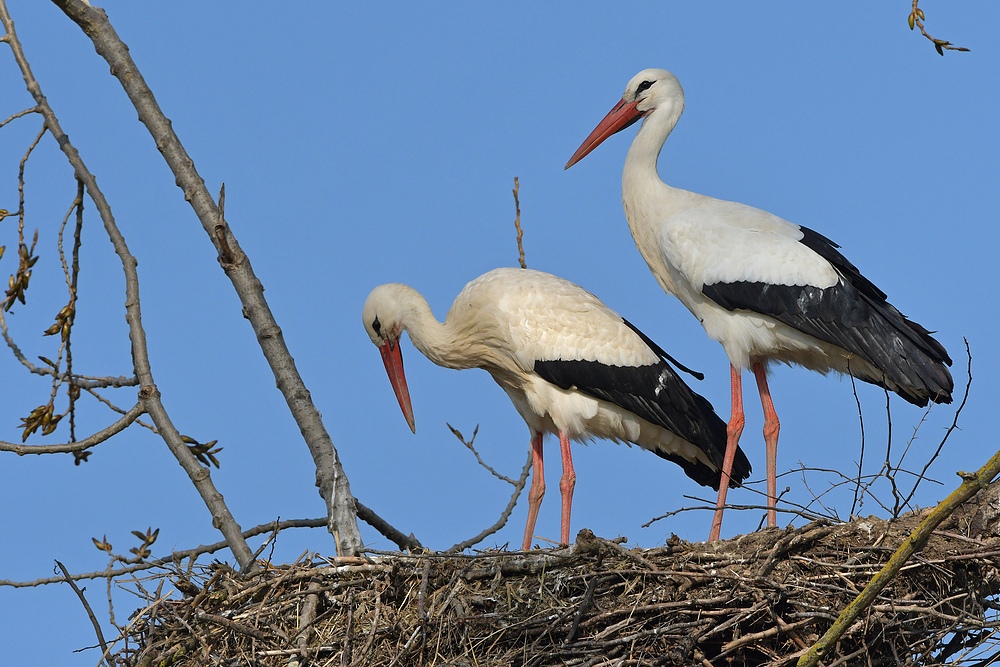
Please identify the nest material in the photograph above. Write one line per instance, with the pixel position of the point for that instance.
(759, 599)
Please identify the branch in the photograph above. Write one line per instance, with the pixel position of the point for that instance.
(79, 445)
(502, 521)
(404, 542)
(916, 19)
(137, 565)
(517, 225)
(972, 484)
(221, 517)
(330, 476)
(90, 612)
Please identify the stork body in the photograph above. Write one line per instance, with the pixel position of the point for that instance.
(571, 366)
(765, 288)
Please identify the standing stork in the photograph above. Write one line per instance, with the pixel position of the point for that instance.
(571, 366)
(765, 288)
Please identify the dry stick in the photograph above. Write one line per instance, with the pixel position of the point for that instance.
(972, 484)
(86, 605)
(517, 225)
(404, 542)
(861, 459)
(149, 396)
(330, 476)
(954, 425)
(502, 521)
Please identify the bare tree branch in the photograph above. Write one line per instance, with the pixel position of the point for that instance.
(138, 565)
(80, 445)
(502, 521)
(90, 612)
(149, 395)
(330, 476)
(517, 226)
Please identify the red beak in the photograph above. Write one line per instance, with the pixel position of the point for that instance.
(393, 360)
(617, 120)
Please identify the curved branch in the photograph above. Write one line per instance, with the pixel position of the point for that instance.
(221, 517)
(175, 557)
(330, 476)
(80, 445)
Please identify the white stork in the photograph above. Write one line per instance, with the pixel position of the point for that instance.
(765, 288)
(571, 366)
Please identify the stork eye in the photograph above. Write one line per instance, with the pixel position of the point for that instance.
(645, 85)
(377, 326)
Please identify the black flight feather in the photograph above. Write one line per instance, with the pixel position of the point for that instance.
(657, 394)
(854, 315)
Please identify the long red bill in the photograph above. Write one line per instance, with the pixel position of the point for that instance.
(617, 120)
(393, 360)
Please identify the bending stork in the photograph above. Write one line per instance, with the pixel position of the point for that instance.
(765, 288)
(571, 366)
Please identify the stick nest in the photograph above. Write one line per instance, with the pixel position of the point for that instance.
(758, 599)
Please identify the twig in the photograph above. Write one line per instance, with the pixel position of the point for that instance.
(502, 521)
(80, 445)
(404, 542)
(954, 425)
(916, 19)
(90, 612)
(861, 458)
(517, 225)
(232, 625)
(175, 557)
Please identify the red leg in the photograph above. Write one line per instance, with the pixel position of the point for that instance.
(771, 427)
(733, 431)
(537, 491)
(566, 485)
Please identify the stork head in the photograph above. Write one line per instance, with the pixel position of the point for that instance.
(649, 90)
(383, 316)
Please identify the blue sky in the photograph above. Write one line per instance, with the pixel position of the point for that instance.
(362, 145)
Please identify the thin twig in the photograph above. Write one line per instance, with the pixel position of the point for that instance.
(502, 521)
(90, 612)
(517, 225)
(916, 19)
(954, 424)
(861, 458)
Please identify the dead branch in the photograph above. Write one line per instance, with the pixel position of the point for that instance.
(518, 487)
(330, 476)
(517, 226)
(90, 612)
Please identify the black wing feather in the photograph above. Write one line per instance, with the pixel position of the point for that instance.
(854, 315)
(657, 394)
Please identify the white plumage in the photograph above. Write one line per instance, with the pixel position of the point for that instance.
(571, 366)
(766, 289)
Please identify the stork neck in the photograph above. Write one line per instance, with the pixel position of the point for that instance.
(646, 198)
(436, 340)
(640, 175)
